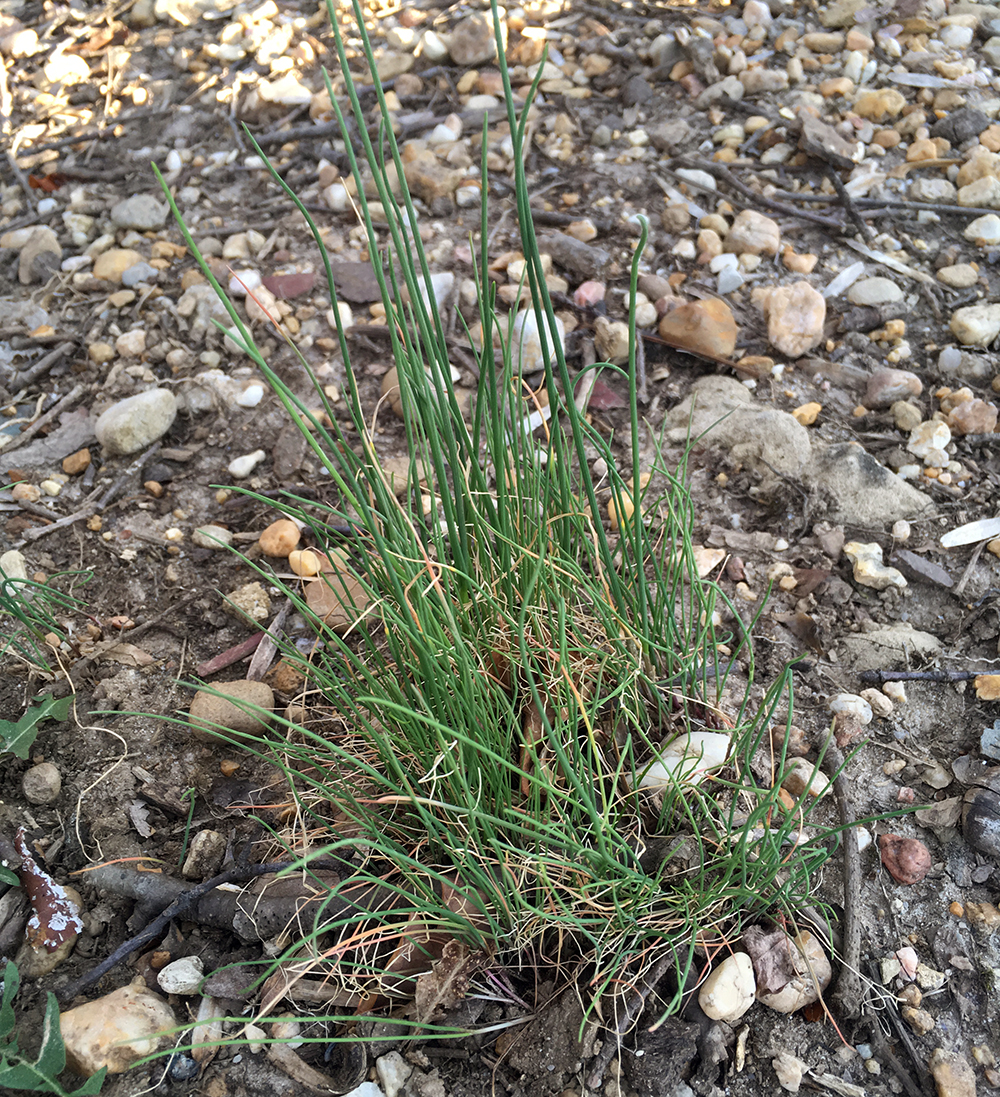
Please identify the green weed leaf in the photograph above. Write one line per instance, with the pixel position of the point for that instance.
(18, 738)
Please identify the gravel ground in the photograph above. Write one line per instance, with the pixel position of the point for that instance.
(820, 180)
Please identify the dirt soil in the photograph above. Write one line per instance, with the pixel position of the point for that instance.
(102, 92)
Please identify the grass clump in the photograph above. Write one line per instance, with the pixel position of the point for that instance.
(499, 672)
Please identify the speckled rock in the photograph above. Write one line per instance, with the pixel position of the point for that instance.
(886, 386)
(753, 233)
(795, 317)
(244, 709)
(976, 325)
(117, 1030)
(137, 421)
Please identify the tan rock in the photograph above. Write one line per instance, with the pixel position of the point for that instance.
(280, 538)
(99, 353)
(42, 240)
(753, 233)
(795, 317)
(807, 414)
(338, 598)
(953, 1075)
(981, 192)
(973, 417)
(799, 263)
(704, 327)
(959, 275)
(111, 265)
(426, 176)
(249, 602)
(117, 1030)
(879, 105)
(922, 150)
(76, 462)
(979, 166)
(245, 708)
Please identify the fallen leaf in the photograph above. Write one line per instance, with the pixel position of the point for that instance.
(771, 953)
(285, 286)
(54, 919)
(808, 579)
(803, 628)
(445, 986)
(139, 814)
(127, 654)
(603, 398)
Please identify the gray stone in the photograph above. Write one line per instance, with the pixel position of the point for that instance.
(140, 272)
(959, 125)
(874, 291)
(141, 212)
(472, 41)
(899, 644)
(859, 491)
(635, 91)
(727, 90)
(886, 386)
(601, 137)
(571, 254)
(669, 136)
(21, 315)
(721, 411)
(932, 190)
(136, 422)
(991, 51)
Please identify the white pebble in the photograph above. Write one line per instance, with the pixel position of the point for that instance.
(243, 282)
(182, 976)
(251, 396)
(844, 280)
(241, 467)
(51, 487)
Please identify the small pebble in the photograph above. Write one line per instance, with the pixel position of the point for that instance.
(241, 467)
(874, 291)
(212, 537)
(42, 783)
(280, 538)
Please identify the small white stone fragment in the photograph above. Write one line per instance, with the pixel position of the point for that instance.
(928, 436)
(241, 467)
(896, 692)
(393, 1071)
(526, 341)
(242, 282)
(212, 537)
(688, 758)
(869, 570)
(251, 396)
(853, 707)
(847, 277)
(789, 1071)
